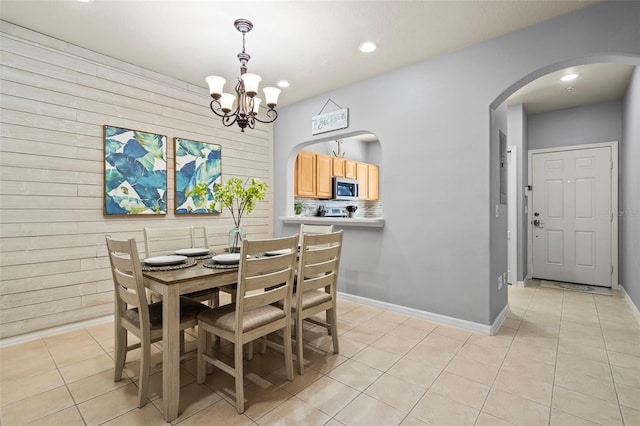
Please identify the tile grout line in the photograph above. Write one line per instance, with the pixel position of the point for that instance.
(615, 388)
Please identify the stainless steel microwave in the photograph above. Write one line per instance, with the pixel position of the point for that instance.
(345, 189)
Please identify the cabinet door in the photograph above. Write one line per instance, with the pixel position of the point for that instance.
(373, 186)
(362, 175)
(338, 166)
(305, 174)
(350, 169)
(324, 174)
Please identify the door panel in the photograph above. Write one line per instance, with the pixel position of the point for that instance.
(585, 249)
(571, 197)
(555, 247)
(555, 195)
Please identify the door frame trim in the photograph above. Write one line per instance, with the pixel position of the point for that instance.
(512, 213)
(613, 209)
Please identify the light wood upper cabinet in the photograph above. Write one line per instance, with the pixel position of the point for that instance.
(339, 166)
(373, 183)
(324, 173)
(350, 169)
(362, 174)
(305, 179)
(314, 176)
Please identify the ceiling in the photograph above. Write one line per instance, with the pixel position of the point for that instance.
(312, 44)
(595, 83)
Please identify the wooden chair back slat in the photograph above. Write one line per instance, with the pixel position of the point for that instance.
(319, 282)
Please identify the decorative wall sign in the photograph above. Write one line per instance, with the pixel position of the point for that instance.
(329, 121)
(135, 172)
(198, 169)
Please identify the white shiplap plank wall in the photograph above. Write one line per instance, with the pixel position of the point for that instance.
(54, 100)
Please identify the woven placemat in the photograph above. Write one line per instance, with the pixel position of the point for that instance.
(203, 256)
(214, 265)
(186, 264)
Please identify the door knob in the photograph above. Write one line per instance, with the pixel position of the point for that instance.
(536, 222)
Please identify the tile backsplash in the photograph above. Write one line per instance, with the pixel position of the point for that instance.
(366, 209)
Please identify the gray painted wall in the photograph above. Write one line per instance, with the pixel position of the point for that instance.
(594, 123)
(498, 213)
(435, 252)
(354, 149)
(630, 192)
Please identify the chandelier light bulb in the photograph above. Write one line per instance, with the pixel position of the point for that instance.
(226, 102)
(216, 86)
(271, 96)
(251, 83)
(256, 105)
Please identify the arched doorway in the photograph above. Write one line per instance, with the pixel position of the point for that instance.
(542, 81)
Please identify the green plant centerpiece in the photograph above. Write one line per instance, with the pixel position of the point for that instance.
(240, 198)
(297, 207)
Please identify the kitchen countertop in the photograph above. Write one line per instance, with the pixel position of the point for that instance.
(361, 222)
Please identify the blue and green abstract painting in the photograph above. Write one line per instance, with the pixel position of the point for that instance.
(197, 171)
(135, 172)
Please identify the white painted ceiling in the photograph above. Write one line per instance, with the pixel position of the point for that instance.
(595, 83)
(312, 44)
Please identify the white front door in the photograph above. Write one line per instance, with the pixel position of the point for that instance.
(571, 216)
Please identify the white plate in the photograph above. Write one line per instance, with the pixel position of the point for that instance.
(165, 260)
(277, 252)
(200, 251)
(227, 258)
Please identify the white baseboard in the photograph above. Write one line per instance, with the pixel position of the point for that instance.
(441, 319)
(633, 307)
(9, 341)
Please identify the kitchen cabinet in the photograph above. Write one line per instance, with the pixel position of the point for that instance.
(314, 174)
(362, 174)
(368, 176)
(324, 173)
(350, 169)
(339, 164)
(373, 182)
(305, 179)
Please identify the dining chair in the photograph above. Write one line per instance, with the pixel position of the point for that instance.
(263, 281)
(317, 281)
(202, 233)
(165, 241)
(134, 313)
(315, 229)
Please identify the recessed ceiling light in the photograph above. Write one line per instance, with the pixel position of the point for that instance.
(283, 83)
(569, 77)
(367, 47)
(85, 1)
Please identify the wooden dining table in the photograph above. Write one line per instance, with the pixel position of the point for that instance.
(171, 284)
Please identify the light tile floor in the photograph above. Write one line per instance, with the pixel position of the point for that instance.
(561, 358)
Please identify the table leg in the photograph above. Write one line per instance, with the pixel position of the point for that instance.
(171, 352)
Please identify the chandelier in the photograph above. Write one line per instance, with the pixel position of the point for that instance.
(247, 104)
